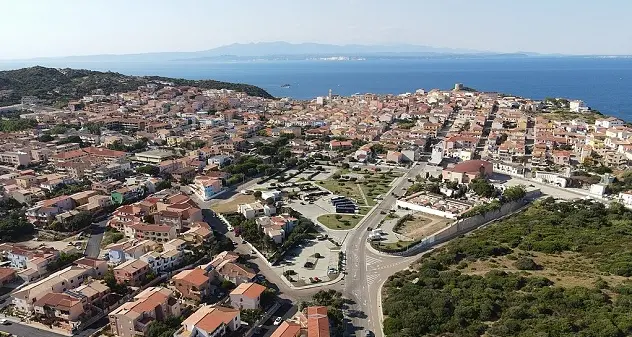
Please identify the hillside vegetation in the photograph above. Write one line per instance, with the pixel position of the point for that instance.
(556, 269)
(64, 84)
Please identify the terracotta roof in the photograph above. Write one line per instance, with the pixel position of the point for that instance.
(233, 269)
(6, 272)
(287, 329)
(210, 318)
(250, 290)
(149, 227)
(89, 261)
(317, 322)
(58, 300)
(470, 166)
(103, 152)
(196, 277)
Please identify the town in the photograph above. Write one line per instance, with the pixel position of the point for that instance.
(177, 210)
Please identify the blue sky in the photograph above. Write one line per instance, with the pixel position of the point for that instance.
(38, 28)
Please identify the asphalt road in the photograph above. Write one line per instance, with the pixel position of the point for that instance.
(27, 331)
(285, 311)
(366, 270)
(93, 247)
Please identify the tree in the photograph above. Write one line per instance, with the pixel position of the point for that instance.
(148, 169)
(482, 188)
(45, 138)
(250, 316)
(257, 194)
(228, 285)
(514, 193)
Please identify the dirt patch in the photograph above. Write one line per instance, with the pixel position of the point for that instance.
(565, 270)
(230, 205)
(423, 226)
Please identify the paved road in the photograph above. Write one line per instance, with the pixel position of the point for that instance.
(93, 247)
(27, 331)
(366, 270)
(285, 311)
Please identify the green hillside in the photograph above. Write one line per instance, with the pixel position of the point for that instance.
(54, 85)
(556, 269)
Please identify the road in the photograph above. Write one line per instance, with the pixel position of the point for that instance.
(93, 247)
(27, 331)
(22, 330)
(366, 270)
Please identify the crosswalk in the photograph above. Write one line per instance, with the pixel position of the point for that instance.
(372, 261)
(370, 278)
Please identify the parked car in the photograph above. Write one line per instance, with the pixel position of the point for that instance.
(4, 322)
(278, 321)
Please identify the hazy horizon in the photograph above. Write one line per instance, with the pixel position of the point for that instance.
(55, 28)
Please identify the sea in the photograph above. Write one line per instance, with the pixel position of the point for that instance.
(603, 83)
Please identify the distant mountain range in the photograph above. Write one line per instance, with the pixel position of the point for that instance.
(283, 50)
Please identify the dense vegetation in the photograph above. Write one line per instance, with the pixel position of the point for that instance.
(335, 303)
(16, 124)
(13, 224)
(61, 85)
(440, 297)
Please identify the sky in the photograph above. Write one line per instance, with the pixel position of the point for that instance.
(48, 28)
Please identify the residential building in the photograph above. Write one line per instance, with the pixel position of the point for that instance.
(145, 231)
(153, 156)
(15, 158)
(247, 296)
(152, 304)
(288, 329)
(464, 172)
(210, 321)
(192, 283)
(131, 272)
(58, 282)
(626, 198)
(255, 209)
(207, 187)
(317, 322)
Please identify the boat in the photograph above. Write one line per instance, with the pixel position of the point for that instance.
(285, 86)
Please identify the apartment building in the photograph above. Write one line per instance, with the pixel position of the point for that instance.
(58, 282)
(207, 187)
(145, 231)
(131, 272)
(15, 158)
(255, 209)
(152, 304)
(210, 322)
(193, 284)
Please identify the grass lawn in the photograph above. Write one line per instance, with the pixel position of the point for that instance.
(230, 206)
(364, 210)
(345, 188)
(345, 221)
(395, 245)
(373, 185)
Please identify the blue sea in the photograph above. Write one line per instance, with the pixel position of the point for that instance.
(604, 84)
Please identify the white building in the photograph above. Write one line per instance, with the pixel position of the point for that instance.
(551, 178)
(626, 198)
(609, 122)
(255, 209)
(576, 105)
(247, 296)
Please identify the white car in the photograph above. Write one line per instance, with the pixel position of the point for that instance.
(278, 321)
(4, 321)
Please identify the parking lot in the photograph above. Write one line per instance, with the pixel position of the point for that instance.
(312, 262)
